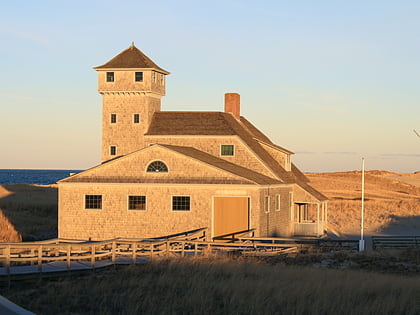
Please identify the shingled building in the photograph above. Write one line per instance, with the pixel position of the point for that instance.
(167, 172)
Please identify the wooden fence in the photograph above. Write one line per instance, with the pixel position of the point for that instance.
(395, 242)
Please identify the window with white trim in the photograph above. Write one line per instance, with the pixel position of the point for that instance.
(157, 167)
(136, 202)
(277, 205)
(138, 77)
(93, 202)
(110, 77)
(266, 203)
(181, 203)
(227, 150)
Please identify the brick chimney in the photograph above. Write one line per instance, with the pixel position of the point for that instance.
(233, 104)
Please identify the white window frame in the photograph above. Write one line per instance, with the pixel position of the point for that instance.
(266, 203)
(102, 202)
(128, 203)
(110, 150)
(278, 202)
(233, 149)
(172, 203)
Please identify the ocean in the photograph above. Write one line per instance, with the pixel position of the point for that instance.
(39, 177)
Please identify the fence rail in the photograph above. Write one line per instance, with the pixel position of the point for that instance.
(395, 242)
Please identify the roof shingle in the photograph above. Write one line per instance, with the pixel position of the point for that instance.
(132, 57)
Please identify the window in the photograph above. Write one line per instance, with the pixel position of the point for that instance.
(154, 77)
(157, 167)
(277, 202)
(227, 150)
(113, 150)
(110, 77)
(180, 203)
(267, 203)
(136, 118)
(136, 202)
(138, 77)
(93, 202)
(113, 118)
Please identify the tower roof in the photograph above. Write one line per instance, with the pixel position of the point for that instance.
(132, 57)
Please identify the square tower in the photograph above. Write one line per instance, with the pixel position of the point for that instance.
(131, 85)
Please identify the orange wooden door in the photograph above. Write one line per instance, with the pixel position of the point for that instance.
(231, 214)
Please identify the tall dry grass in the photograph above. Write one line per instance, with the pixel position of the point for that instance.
(203, 286)
(30, 209)
(8, 232)
(388, 200)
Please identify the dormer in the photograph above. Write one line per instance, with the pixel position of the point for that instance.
(281, 155)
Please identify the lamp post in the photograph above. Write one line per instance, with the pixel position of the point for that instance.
(362, 241)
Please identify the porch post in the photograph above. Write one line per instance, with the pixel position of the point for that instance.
(317, 218)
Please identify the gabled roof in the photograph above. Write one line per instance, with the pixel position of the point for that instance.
(217, 123)
(223, 164)
(244, 175)
(132, 57)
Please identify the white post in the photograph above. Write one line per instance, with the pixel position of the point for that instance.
(362, 241)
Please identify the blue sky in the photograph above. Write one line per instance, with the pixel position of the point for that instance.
(332, 81)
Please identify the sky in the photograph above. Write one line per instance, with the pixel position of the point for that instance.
(332, 81)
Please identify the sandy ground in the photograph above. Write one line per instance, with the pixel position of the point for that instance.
(392, 202)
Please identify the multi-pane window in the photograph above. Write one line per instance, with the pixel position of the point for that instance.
(227, 150)
(277, 202)
(136, 202)
(110, 77)
(267, 203)
(138, 76)
(113, 118)
(136, 118)
(113, 150)
(157, 167)
(93, 202)
(180, 203)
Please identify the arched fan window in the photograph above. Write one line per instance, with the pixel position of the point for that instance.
(157, 167)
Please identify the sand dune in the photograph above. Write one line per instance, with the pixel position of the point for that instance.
(392, 201)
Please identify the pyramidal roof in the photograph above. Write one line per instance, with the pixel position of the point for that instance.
(132, 57)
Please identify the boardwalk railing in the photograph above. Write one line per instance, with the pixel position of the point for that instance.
(395, 242)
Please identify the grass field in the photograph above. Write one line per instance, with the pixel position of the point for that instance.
(220, 286)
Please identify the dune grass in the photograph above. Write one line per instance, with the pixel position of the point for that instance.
(30, 209)
(220, 286)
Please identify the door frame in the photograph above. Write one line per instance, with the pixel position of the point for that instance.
(229, 196)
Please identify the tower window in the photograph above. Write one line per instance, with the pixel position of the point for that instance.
(157, 167)
(227, 150)
(113, 118)
(110, 77)
(113, 150)
(136, 118)
(139, 76)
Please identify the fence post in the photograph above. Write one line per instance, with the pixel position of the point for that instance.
(134, 249)
(151, 251)
(167, 249)
(113, 251)
(183, 249)
(40, 258)
(7, 254)
(68, 256)
(92, 257)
